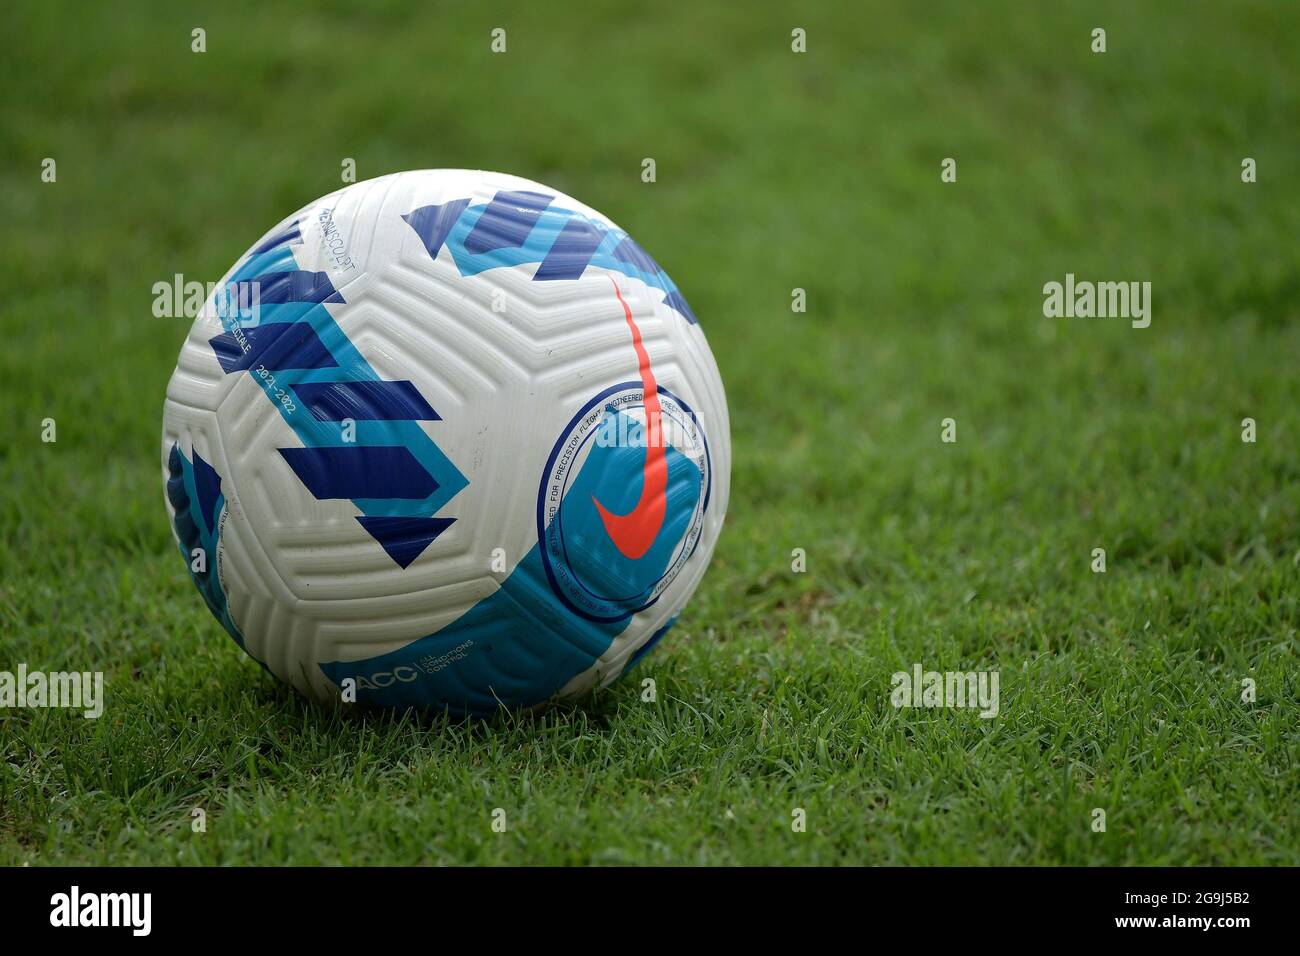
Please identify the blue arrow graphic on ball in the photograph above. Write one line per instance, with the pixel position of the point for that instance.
(393, 472)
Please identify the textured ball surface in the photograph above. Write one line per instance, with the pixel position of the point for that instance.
(446, 439)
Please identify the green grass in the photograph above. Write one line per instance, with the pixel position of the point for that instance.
(821, 171)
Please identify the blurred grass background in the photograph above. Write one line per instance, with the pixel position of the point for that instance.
(775, 171)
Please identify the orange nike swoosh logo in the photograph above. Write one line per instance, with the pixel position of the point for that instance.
(634, 532)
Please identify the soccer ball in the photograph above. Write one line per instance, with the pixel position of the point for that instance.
(446, 439)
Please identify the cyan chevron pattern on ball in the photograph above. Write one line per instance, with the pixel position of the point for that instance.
(522, 226)
(390, 469)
